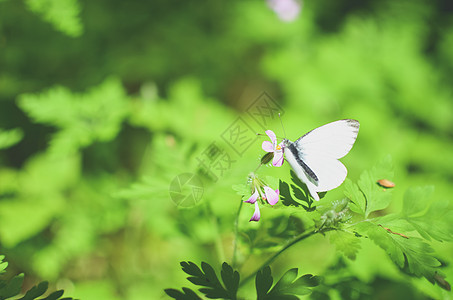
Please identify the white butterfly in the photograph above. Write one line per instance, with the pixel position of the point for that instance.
(314, 156)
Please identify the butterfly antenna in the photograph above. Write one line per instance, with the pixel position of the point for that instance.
(281, 122)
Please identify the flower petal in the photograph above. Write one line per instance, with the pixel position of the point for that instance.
(253, 197)
(271, 195)
(256, 215)
(267, 146)
(277, 161)
(272, 136)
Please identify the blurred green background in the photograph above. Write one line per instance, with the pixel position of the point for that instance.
(103, 103)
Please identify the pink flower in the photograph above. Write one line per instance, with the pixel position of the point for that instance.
(271, 195)
(263, 192)
(256, 215)
(272, 146)
(253, 197)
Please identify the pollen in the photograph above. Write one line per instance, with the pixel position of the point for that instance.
(278, 147)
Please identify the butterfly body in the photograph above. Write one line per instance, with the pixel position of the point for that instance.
(314, 156)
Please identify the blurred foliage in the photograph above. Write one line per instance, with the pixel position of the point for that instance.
(104, 103)
(62, 14)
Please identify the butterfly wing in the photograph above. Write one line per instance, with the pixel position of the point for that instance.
(321, 148)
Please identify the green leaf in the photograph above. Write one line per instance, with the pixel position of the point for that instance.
(299, 195)
(263, 282)
(13, 287)
(62, 14)
(207, 277)
(10, 137)
(346, 242)
(431, 219)
(186, 294)
(231, 279)
(55, 295)
(376, 197)
(285, 195)
(36, 291)
(214, 288)
(287, 287)
(3, 264)
(358, 202)
(21, 219)
(416, 201)
(366, 196)
(411, 254)
(81, 118)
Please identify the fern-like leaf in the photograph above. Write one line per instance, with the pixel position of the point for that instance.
(12, 288)
(287, 287)
(207, 278)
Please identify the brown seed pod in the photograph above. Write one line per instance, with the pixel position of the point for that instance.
(386, 183)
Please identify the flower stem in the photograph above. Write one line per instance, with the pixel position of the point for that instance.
(236, 231)
(258, 167)
(273, 257)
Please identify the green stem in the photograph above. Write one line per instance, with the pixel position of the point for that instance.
(236, 231)
(273, 257)
(257, 167)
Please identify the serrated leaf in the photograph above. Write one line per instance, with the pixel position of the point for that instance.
(436, 224)
(299, 194)
(366, 196)
(358, 202)
(345, 242)
(376, 198)
(287, 287)
(416, 200)
(285, 195)
(300, 190)
(431, 219)
(411, 254)
(207, 278)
